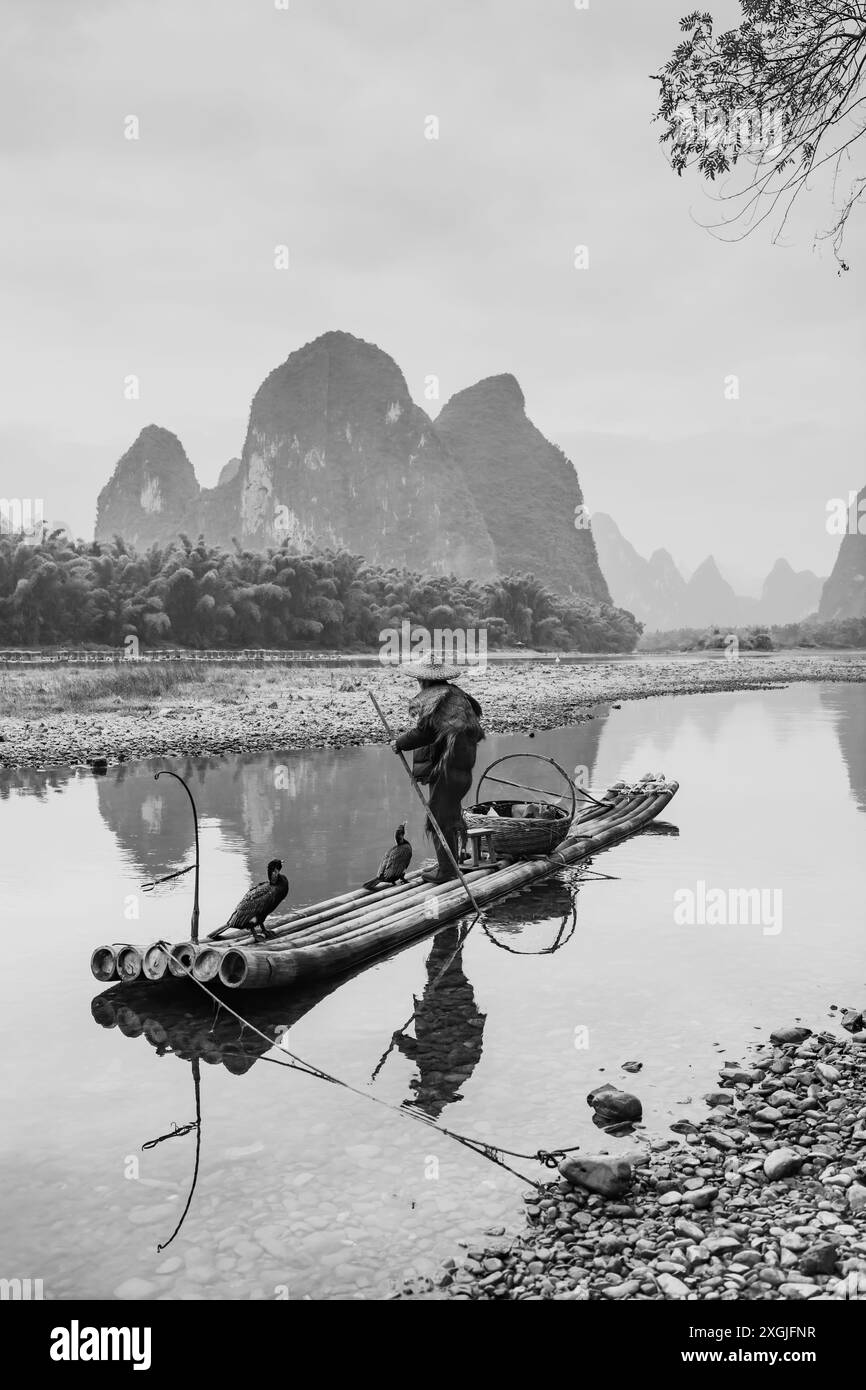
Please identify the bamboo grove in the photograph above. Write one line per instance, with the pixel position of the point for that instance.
(56, 591)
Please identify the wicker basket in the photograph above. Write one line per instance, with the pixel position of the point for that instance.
(515, 836)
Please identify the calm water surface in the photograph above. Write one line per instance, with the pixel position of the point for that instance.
(305, 1187)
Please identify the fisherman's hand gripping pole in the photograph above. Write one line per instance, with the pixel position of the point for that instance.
(431, 818)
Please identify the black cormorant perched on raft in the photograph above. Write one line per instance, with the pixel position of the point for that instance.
(257, 904)
(393, 867)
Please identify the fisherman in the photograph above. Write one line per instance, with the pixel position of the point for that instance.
(444, 741)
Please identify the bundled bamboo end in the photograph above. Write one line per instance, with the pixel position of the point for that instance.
(154, 962)
(129, 962)
(206, 965)
(182, 959)
(103, 964)
(242, 969)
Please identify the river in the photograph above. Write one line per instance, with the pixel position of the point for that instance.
(305, 1188)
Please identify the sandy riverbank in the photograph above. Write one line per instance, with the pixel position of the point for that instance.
(45, 723)
(762, 1199)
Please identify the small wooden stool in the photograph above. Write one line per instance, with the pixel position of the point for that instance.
(476, 837)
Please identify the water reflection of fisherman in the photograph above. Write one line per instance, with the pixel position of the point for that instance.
(449, 1029)
(444, 741)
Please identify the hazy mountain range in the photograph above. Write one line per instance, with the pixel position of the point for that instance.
(661, 598)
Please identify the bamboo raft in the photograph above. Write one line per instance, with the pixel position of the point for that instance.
(340, 934)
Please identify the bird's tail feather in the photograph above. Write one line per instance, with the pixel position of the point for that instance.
(370, 884)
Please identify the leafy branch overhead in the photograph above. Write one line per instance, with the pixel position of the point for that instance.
(778, 100)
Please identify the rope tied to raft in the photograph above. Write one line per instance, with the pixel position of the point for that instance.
(494, 1152)
(550, 1158)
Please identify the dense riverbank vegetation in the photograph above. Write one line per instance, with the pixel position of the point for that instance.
(837, 633)
(62, 592)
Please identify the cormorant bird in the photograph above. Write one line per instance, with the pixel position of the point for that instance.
(257, 904)
(393, 867)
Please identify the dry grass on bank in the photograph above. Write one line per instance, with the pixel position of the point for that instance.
(33, 692)
(41, 690)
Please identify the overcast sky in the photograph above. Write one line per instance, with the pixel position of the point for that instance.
(307, 127)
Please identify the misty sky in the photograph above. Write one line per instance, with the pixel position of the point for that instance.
(306, 127)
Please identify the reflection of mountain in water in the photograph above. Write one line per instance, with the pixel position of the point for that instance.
(259, 804)
(449, 1029)
(848, 704)
(37, 783)
(320, 809)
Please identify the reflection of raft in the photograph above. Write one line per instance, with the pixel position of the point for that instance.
(332, 937)
(178, 1020)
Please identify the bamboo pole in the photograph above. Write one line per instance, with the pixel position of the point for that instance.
(317, 914)
(384, 912)
(154, 962)
(129, 962)
(243, 964)
(206, 965)
(388, 912)
(206, 960)
(181, 958)
(280, 926)
(209, 964)
(103, 961)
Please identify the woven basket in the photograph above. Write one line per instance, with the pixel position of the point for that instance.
(517, 837)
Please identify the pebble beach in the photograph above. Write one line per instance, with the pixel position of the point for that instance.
(251, 710)
(765, 1198)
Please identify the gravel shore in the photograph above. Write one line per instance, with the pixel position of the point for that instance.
(253, 710)
(765, 1198)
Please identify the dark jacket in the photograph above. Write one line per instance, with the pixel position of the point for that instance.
(446, 734)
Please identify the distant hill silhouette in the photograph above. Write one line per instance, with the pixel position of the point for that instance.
(658, 595)
(844, 593)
